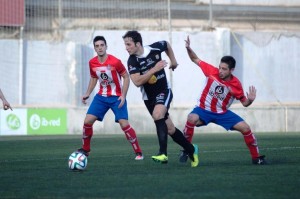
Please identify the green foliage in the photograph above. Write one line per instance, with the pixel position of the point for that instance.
(36, 167)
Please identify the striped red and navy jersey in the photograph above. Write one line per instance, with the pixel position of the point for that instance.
(109, 75)
(217, 95)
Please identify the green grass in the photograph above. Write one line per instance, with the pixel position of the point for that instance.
(36, 167)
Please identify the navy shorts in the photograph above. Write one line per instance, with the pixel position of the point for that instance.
(164, 98)
(227, 120)
(100, 105)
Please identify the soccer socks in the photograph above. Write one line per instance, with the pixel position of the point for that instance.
(179, 138)
(131, 137)
(162, 134)
(87, 136)
(189, 131)
(251, 143)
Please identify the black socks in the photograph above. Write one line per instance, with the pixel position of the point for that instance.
(162, 134)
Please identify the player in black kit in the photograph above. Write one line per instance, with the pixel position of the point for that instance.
(146, 69)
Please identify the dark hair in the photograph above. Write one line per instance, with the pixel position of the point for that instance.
(99, 38)
(228, 60)
(135, 35)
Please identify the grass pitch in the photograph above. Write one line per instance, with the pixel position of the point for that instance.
(36, 167)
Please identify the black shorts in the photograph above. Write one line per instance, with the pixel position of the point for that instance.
(164, 98)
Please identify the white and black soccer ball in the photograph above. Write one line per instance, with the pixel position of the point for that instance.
(77, 161)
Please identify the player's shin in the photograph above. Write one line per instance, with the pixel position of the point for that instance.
(132, 139)
(251, 143)
(162, 134)
(188, 131)
(87, 136)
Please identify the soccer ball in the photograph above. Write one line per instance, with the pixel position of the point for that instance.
(77, 161)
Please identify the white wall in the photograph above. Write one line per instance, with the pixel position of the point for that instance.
(57, 73)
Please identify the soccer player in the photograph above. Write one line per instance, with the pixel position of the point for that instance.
(146, 69)
(221, 88)
(109, 71)
(6, 105)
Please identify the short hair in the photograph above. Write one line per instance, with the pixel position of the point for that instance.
(99, 38)
(229, 60)
(135, 35)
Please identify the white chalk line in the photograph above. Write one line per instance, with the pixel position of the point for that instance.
(213, 151)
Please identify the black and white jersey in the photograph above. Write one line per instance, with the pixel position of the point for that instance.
(142, 64)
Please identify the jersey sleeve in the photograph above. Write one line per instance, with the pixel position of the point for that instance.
(207, 69)
(237, 90)
(92, 72)
(120, 67)
(133, 65)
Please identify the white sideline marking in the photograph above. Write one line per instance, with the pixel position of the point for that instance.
(215, 151)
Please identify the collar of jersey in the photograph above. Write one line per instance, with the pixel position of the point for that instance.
(146, 52)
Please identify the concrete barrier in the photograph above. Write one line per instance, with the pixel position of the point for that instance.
(261, 118)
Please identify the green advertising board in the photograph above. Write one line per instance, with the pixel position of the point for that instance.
(46, 121)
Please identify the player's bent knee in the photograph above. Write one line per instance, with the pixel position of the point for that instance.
(193, 118)
(123, 123)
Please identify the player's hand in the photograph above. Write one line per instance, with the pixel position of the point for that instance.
(173, 66)
(6, 106)
(160, 65)
(122, 99)
(252, 93)
(84, 98)
(187, 42)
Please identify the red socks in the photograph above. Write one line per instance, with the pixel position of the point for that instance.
(129, 133)
(250, 141)
(188, 131)
(131, 137)
(87, 136)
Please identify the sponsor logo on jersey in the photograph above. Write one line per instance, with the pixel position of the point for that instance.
(217, 93)
(105, 80)
(149, 61)
(160, 97)
(160, 76)
(219, 89)
(131, 68)
(104, 76)
(144, 67)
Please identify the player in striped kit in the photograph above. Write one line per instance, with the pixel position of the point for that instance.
(221, 88)
(109, 71)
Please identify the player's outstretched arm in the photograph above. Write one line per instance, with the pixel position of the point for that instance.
(190, 51)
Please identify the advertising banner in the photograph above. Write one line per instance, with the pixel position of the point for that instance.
(46, 121)
(13, 122)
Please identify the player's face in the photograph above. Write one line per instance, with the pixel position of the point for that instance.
(224, 71)
(131, 47)
(100, 48)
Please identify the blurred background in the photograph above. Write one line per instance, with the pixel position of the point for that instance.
(46, 45)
